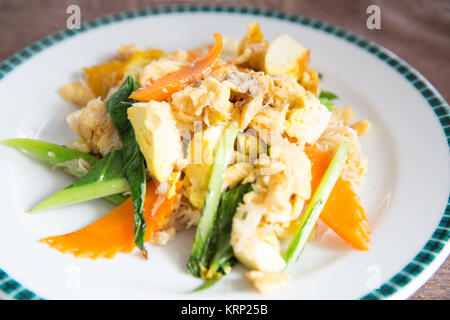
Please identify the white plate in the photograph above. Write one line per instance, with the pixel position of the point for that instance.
(405, 195)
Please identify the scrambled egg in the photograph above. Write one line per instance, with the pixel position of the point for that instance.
(297, 166)
(281, 180)
(268, 282)
(235, 173)
(77, 92)
(158, 69)
(157, 136)
(200, 157)
(308, 120)
(209, 101)
(94, 124)
(252, 49)
(285, 56)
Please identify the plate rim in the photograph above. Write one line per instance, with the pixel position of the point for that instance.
(405, 282)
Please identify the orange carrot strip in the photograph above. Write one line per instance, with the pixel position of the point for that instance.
(114, 232)
(163, 88)
(343, 212)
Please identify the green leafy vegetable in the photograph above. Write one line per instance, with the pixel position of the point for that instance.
(221, 246)
(104, 179)
(205, 285)
(132, 159)
(326, 98)
(117, 199)
(74, 162)
(220, 253)
(327, 103)
(316, 204)
(199, 253)
(328, 95)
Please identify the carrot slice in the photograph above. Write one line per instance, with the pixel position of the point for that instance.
(343, 212)
(163, 88)
(114, 232)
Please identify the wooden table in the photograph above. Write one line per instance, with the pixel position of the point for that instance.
(416, 30)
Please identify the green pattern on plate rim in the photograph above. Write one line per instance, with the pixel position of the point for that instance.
(440, 237)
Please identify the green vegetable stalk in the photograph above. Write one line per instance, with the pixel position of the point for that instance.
(72, 161)
(104, 179)
(199, 254)
(220, 253)
(316, 204)
(55, 154)
(132, 159)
